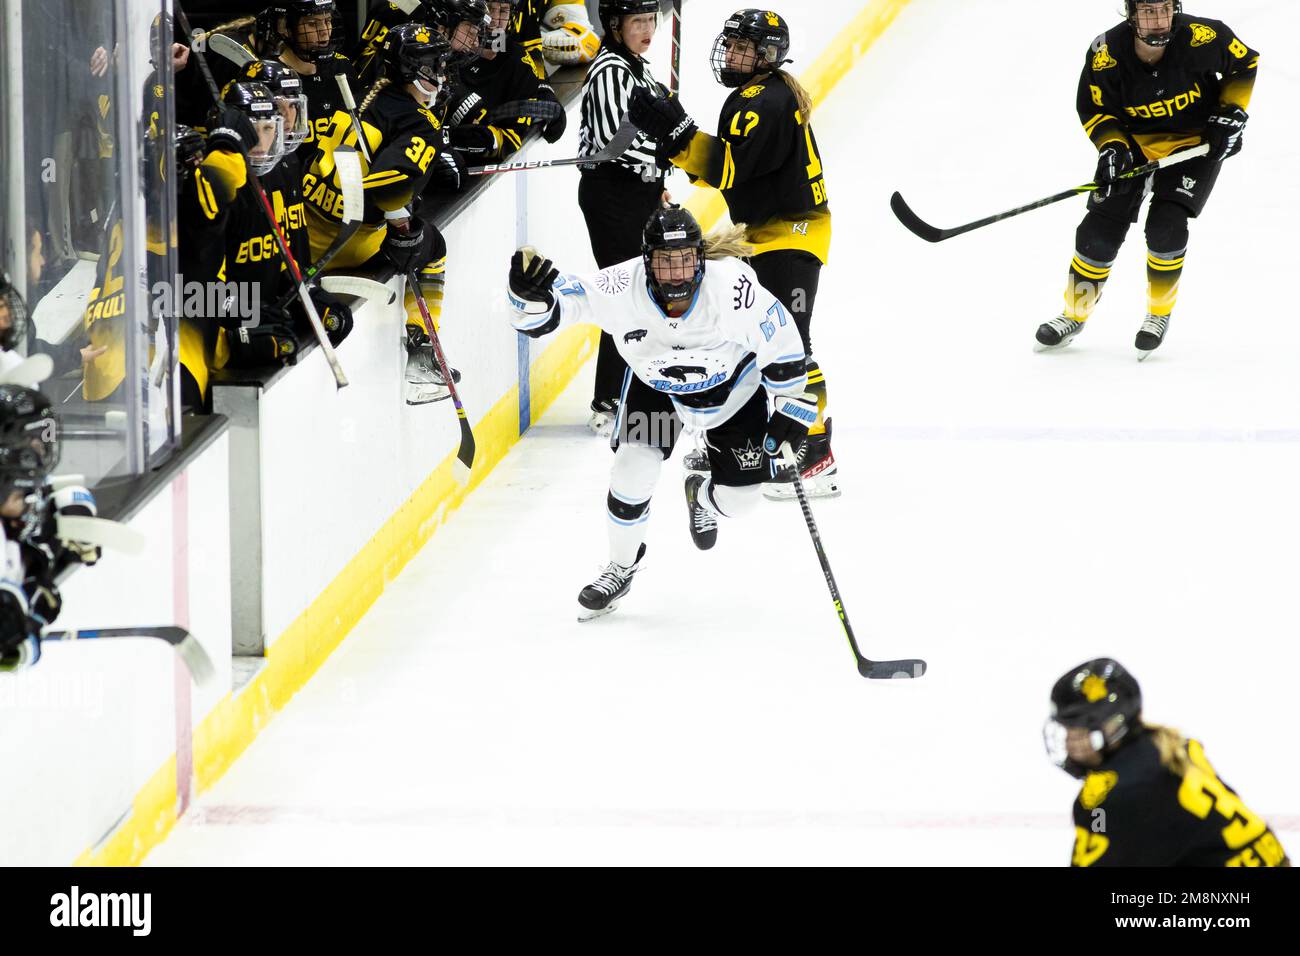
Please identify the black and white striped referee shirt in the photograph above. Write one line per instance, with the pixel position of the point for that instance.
(605, 95)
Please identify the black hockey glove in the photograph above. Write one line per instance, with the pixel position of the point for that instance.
(554, 129)
(790, 421)
(334, 315)
(43, 598)
(473, 140)
(532, 282)
(20, 644)
(450, 172)
(1223, 131)
(405, 249)
(663, 119)
(231, 131)
(273, 340)
(1113, 161)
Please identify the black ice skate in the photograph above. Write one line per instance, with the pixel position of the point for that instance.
(704, 522)
(1057, 333)
(1151, 335)
(602, 595)
(424, 381)
(816, 467)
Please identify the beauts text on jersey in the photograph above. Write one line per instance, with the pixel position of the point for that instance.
(1163, 108)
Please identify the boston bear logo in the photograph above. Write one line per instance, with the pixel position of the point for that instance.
(1103, 60)
(1201, 34)
(679, 373)
(636, 336)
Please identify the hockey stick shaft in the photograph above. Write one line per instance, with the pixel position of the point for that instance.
(934, 234)
(340, 380)
(182, 641)
(465, 455)
(866, 667)
(616, 147)
(202, 37)
(675, 71)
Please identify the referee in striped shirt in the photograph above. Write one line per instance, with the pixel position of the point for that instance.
(617, 198)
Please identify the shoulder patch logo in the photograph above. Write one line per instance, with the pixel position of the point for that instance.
(750, 92)
(1103, 60)
(1201, 34)
(613, 281)
(1096, 787)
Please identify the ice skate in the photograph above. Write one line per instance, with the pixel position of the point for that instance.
(817, 469)
(602, 595)
(697, 459)
(424, 381)
(1057, 333)
(704, 522)
(1150, 335)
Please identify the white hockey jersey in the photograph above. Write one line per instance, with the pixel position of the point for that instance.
(710, 360)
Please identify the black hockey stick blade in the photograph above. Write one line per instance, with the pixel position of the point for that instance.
(465, 454)
(186, 645)
(891, 670)
(914, 223)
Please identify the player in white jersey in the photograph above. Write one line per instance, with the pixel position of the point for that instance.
(706, 347)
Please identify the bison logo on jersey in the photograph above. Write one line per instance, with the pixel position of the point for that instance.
(1201, 34)
(1103, 60)
(613, 281)
(636, 336)
(678, 373)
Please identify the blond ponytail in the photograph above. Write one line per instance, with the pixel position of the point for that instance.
(1172, 746)
(380, 85)
(727, 243)
(801, 95)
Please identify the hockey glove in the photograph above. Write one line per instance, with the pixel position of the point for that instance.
(555, 128)
(77, 502)
(1223, 132)
(334, 315)
(474, 140)
(1113, 161)
(231, 131)
(404, 249)
(790, 421)
(272, 340)
(450, 172)
(532, 279)
(663, 119)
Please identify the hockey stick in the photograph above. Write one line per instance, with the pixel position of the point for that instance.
(616, 147)
(231, 50)
(203, 37)
(101, 532)
(358, 287)
(30, 372)
(934, 234)
(875, 670)
(186, 645)
(675, 71)
(340, 380)
(348, 164)
(465, 455)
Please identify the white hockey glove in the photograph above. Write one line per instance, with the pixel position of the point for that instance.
(74, 501)
(567, 36)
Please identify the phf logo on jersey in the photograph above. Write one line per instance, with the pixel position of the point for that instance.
(96, 910)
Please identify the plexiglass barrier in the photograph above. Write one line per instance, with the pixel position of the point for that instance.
(88, 220)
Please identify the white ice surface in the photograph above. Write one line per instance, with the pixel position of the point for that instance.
(1006, 516)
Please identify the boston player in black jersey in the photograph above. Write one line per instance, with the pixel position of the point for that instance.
(1150, 796)
(764, 160)
(502, 73)
(1160, 82)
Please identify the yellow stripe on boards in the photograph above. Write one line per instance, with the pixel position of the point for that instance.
(299, 652)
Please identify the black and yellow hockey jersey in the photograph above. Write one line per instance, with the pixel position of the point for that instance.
(526, 30)
(486, 84)
(766, 164)
(367, 60)
(404, 138)
(1134, 811)
(1163, 108)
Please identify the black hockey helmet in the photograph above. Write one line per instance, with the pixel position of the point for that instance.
(770, 35)
(266, 31)
(162, 33)
(611, 10)
(29, 439)
(1099, 696)
(673, 228)
(316, 39)
(415, 53)
(286, 89)
(1151, 39)
(255, 101)
(13, 315)
(466, 25)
